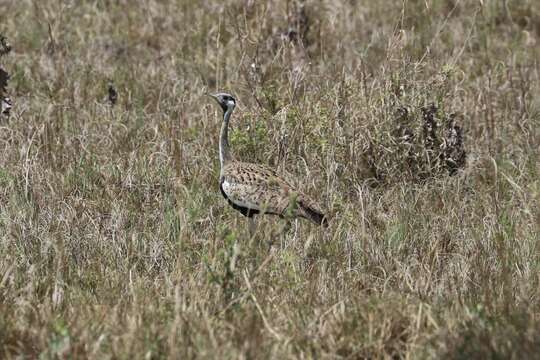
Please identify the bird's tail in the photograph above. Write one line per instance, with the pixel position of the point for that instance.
(310, 212)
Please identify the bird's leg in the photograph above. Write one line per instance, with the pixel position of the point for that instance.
(252, 227)
(295, 230)
(284, 232)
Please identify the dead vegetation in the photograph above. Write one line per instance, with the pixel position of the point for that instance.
(5, 101)
(416, 125)
(419, 147)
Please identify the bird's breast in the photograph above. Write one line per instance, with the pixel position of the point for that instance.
(240, 194)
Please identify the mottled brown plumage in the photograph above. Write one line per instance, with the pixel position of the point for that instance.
(252, 188)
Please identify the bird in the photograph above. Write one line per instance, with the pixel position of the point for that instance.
(255, 189)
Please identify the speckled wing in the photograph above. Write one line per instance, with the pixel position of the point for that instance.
(252, 188)
(256, 187)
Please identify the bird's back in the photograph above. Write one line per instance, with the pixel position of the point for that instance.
(252, 188)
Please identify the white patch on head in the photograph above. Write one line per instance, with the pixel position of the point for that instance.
(230, 103)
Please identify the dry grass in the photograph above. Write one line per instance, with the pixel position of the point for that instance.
(115, 241)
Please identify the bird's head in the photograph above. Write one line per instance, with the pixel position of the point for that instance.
(226, 101)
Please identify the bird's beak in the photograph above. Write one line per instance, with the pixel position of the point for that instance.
(213, 96)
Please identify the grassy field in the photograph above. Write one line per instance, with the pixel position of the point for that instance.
(116, 243)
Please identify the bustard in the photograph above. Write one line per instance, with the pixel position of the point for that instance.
(251, 188)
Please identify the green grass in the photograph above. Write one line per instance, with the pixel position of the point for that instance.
(116, 243)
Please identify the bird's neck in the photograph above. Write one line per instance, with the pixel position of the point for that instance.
(224, 151)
